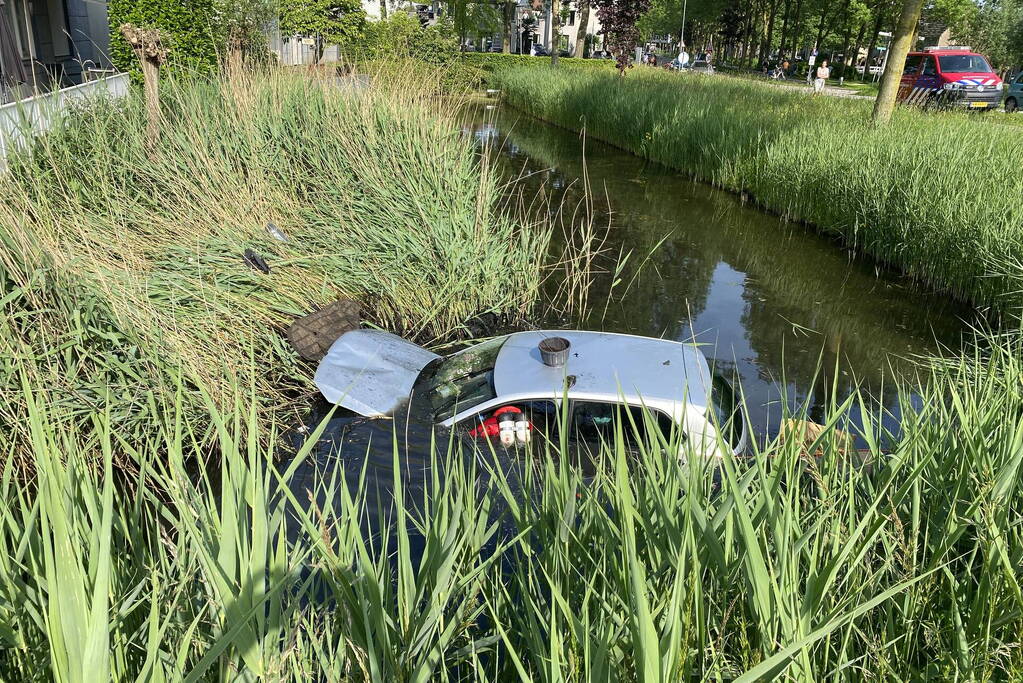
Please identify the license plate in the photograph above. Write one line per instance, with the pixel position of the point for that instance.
(978, 105)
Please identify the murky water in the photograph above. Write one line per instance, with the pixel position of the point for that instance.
(770, 302)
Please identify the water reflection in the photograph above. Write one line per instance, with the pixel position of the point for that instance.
(770, 299)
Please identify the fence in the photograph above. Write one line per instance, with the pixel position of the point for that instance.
(24, 118)
(302, 50)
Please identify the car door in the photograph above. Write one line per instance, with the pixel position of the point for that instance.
(593, 426)
(907, 88)
(928, 83)
(1014, 98)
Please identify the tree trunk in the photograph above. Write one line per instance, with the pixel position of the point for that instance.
(820, 30)
(765, 46)
(509, 17)
(784, 28)
(873, 40)
(845, 42)
(383, 9)
(902, 42)
(555, 30)
(580, 35)
(851, 59)
(148, 47)
(796, 25)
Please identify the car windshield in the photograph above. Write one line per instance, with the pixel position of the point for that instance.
(964, 64)
(461, 381)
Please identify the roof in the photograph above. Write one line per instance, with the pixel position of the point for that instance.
(606, 366)
(953, 50)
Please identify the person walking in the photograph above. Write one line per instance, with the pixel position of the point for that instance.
(823, 74)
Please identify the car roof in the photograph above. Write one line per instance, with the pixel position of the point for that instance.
(607, 367)
(947, 51)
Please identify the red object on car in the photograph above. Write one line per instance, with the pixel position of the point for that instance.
(950, 76)
(491, 426)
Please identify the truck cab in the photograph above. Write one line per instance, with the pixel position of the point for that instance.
(950, 76)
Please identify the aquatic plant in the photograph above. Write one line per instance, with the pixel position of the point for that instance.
(900, 561)
(934, 195)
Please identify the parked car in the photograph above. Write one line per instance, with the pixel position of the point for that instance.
(950, 76)
(595, 376)
(1014, 98)
(702, 66)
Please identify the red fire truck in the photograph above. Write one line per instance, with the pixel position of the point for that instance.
(950, 76)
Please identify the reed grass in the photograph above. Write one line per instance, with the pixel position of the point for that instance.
(122, 263)
(934, 195)
(770, 566)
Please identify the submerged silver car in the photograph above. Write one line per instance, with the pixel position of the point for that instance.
(596, 376)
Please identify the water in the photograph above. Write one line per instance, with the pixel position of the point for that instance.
(787, 312)
(777, 305)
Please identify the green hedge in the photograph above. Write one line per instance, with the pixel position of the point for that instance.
(192, 30)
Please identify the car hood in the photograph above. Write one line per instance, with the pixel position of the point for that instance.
(370, 372)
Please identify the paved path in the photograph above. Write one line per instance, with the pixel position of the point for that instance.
(798, 85)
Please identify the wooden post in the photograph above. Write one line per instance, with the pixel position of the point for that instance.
(149, 49)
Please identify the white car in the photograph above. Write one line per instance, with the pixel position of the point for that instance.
(597, 375)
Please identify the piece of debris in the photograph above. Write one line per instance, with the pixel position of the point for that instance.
(276, 233)
(312, 335)
(807, 433)
(256, 262)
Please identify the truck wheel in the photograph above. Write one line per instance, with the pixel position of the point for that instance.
(1011, 105)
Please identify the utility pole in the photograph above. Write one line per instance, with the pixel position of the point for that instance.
(899, 46)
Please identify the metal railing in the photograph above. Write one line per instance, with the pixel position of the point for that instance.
(22, 119)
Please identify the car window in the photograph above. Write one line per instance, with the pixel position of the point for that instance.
(594, 423)
(459, 382)
(963, 64)
(543, 417)
(1019, 81)
(912, 64)
(930, 67)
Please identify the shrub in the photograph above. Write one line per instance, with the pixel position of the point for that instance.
(193, 32)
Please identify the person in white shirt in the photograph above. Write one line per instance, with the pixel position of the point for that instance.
(823, 74)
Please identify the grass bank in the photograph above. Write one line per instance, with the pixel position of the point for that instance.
(935, 196)
(122, 268)
(778, 568)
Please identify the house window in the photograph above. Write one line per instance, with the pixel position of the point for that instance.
(571, 18)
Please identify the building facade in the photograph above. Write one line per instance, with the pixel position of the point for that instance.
(51, 43)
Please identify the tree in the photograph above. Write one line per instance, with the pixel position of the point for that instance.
(334, 22)
(902, 42)
(618, 19)
(580, 34)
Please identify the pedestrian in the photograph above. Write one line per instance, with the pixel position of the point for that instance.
(823, 74)
(653, 60)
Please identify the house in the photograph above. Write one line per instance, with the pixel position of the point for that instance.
(50, 43)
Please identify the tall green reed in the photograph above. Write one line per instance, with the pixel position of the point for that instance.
(122, 265)
(899, 563)
(934, 195)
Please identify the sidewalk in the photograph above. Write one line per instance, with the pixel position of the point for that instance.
(796, 84)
